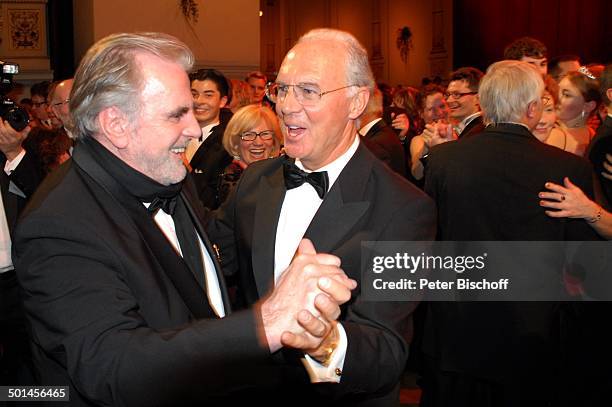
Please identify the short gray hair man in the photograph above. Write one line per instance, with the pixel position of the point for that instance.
(109, 75)
(358, 71)
(507, 89)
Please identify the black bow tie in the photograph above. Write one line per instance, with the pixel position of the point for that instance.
(295, 177)
(165, 204)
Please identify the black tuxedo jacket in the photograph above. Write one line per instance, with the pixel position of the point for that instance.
(368, 202)
(383, 142)
(114, 310)
(599, 147)
(486, 188)
(207, 164)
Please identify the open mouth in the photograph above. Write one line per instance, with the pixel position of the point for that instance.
(177, 150)
(295, 131)
(257, 152)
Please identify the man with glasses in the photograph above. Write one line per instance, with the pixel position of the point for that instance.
(464, 109)
(331, 189)
(59, 98)
(462, 98)
(39, 93)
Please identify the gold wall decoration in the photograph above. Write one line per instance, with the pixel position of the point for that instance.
(25, 27)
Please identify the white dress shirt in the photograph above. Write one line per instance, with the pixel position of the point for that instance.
(166, 224)
(299, 208)
(6, 262)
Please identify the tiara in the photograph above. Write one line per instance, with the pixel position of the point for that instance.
(585, 71)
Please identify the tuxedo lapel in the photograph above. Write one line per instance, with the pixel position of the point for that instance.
(199, 158)
(159, 247)
(195, 211)
(270, 194)
(343, 206)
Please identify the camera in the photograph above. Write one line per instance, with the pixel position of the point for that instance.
(16, 116)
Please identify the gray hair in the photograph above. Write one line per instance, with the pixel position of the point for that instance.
(357, 65)
(109, 75)
(507, 89)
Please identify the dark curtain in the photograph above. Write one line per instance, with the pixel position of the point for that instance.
(61, 39)
(483, 28)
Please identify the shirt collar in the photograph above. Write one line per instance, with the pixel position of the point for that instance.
(464, 123)
(335, 167)
(515, 123)
(364, 130)
(206, 130)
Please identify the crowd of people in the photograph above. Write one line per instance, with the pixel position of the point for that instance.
(197, 239)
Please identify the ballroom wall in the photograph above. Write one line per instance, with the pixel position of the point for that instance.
(375, 24)
(226, 35)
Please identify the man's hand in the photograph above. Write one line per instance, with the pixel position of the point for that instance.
(10, 140)
(438, 133)
(313, 285)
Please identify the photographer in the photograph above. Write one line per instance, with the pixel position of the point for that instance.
(18, 180)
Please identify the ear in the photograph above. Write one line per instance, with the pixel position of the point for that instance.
(609, 94)
(590, 106)
(223, 102)
(532, 109)
(359, 102)
(115, 126)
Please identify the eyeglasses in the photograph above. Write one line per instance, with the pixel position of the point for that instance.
(252, 135)
(39, 104)
(457, 95)
(58, 104)
(306, 94)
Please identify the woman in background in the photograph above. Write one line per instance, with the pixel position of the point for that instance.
(433, 110)
(548, 120)
(251, 135)
(578, 99)
(241, 94)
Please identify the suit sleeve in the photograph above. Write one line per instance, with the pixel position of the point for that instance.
(85, 317)
(379, 332)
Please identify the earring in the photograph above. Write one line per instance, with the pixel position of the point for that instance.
(582, 114)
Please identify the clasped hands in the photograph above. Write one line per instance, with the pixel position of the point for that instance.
(302, 310)
(438, 133)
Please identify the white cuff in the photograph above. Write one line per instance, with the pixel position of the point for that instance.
(331, 373)
(10, 166)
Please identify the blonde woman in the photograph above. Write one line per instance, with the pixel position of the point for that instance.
(251, 135)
